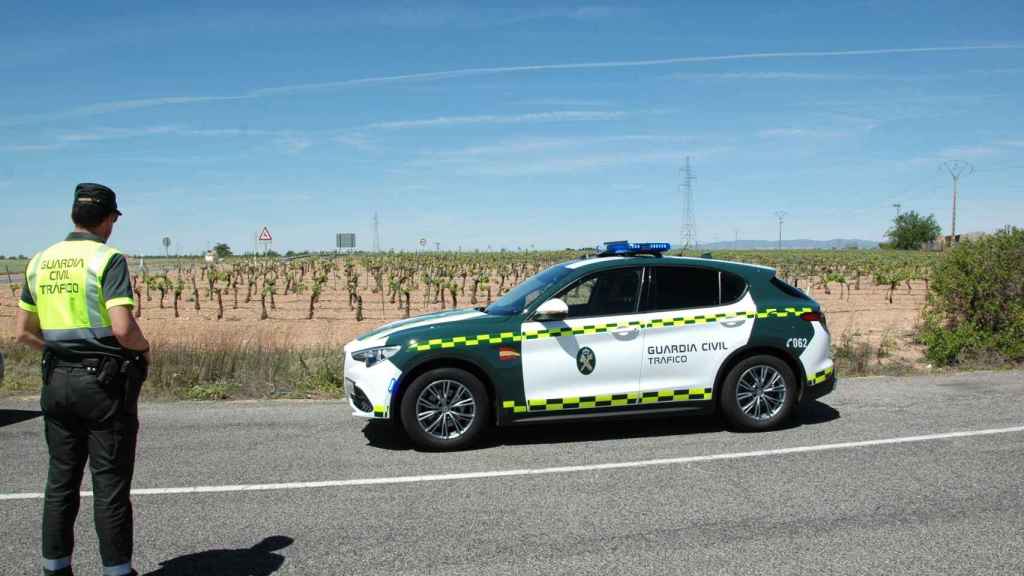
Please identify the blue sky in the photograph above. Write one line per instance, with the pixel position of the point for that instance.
(506, 125)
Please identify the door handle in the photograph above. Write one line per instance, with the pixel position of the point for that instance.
(733, 322)
(626, 332)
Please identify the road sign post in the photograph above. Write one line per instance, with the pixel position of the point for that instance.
(345, 240)
(266, 239)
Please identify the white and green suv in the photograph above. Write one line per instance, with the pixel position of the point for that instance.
(628, 332)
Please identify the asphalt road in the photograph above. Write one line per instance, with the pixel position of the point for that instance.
(927, 506)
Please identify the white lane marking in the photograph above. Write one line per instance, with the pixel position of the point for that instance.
(536, 471)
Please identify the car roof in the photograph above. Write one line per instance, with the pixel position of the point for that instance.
(604, 262)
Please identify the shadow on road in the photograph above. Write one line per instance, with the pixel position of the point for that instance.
(391, 437)
(814, 412)
(8, 417)
(259, 560)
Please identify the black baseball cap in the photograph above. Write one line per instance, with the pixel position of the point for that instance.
(96, 194)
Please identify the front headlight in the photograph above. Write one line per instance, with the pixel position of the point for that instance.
(372, 356)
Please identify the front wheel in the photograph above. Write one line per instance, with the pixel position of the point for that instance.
(758, 393)
(445, 409)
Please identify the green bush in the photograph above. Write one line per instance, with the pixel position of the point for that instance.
(975, 310)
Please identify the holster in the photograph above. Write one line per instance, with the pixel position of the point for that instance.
(47, 366)
(133, 372)
(109, 369)
(135, 368)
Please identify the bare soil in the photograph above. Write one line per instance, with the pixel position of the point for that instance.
(863, 315)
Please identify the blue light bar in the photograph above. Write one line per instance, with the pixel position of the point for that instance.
(620, 247)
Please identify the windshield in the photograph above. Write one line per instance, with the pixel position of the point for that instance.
(523, 295)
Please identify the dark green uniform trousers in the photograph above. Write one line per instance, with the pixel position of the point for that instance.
(87, 421)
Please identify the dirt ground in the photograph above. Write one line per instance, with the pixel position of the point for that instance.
(866, 315)
(863, 315)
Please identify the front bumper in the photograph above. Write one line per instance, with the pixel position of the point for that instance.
(370, 389)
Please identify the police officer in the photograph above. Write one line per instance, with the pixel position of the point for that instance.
(76, 307)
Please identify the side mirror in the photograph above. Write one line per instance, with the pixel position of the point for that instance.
(554, 309)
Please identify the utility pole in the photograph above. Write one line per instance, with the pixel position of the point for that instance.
(956, 169)
(781, 215)
(376, 232)
(688, 233)
(897, 206)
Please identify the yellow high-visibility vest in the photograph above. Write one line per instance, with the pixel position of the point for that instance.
(66, 283)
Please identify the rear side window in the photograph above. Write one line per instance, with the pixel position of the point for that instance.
(733, 288)
(787, 289)
(675, 288)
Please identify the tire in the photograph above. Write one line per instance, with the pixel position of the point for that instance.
(746, 409)
(462, 410)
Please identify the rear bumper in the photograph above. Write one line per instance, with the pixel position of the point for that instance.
(824, 385)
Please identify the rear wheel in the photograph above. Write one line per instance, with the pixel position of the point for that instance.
(759, 393)
(445, 409)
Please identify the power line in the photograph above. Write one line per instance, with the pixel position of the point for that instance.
(956, 169)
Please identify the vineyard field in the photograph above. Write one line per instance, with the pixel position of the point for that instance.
(870, 297)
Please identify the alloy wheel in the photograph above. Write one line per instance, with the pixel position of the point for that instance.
(761, 392)
(445, 409)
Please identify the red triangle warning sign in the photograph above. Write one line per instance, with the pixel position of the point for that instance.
(265, 235)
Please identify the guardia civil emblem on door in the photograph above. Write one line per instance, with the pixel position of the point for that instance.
(585, 361)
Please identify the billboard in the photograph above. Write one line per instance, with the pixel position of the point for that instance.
(346, 240)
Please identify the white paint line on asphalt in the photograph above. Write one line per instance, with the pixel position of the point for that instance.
(538, 471)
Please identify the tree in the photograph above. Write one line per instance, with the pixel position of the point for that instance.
(222, 250)
(910, 230)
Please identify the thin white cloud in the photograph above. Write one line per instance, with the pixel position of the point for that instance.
(969, 152)
(801, 133)
(586, 162)
(530, 156)
(557, 116)
(355, 140)
(523, 146)
(31, 147)
(463, 72)
(295, 144)
(114, 133)
(119, 105)
(973, 152)
(567, 102)
(772, 76)
(110, 133)
(591, 12)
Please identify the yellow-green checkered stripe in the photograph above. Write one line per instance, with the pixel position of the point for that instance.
(381, 410)
(821, 377)
(658, 396)
(510, 337)
(438, 343)
(607, 400)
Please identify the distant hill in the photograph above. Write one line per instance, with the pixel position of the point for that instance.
(798, 244)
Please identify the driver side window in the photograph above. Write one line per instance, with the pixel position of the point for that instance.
(607, 293)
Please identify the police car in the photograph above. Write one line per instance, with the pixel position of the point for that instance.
(631, 331)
